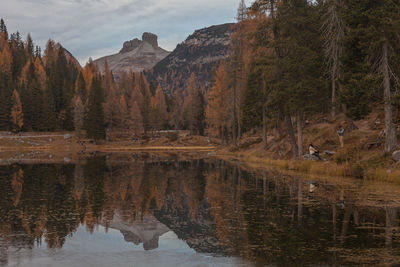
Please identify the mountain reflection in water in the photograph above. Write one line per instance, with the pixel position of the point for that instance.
(117, 210)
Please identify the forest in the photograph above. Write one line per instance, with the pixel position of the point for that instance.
(289, 60)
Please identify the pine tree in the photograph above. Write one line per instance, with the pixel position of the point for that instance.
(48, 117)
(253, 102)
(94, 120)
(80, 88)
(378, 38)
(3, 29)
(79, 115)
(238, 65)
(29, 46)
(18, 55)
(17, 116)
(333, 32)
(177, 116)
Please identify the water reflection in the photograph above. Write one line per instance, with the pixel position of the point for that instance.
(212, 206)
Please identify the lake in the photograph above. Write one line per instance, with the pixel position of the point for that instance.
(173, 210)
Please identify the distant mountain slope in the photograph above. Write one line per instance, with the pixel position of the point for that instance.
(136, 55)
(199, 54)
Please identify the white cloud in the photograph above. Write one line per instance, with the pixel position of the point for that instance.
(93, 28)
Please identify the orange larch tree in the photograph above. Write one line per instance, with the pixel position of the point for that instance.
(17, 116)
(219, 104)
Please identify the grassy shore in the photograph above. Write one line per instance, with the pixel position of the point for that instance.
(362, 156)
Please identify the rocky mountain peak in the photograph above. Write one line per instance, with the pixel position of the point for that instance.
(135, 43)
(150, 38)
(136, 55)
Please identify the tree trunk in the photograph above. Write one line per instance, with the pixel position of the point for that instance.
(264, 129)
(239, 128)
(221, 134)
(234, 116)
(300, 132)
(292, 137)
(333, 112)
(391, 135)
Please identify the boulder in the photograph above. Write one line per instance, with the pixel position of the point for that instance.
(310, 157)
(396, 156)
(67, 136)
(330, 153)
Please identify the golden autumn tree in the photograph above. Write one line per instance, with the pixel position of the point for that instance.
(89, 71)
(219, 103)
(17, 116)
(112, 98)
(135, 122)
(50, 54)
(194, 107)
(6, 61)
(3, 41)
(123, 113)
(159, 112)
(16, 185)
(40, 73)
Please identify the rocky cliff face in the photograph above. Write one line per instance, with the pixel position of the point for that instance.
(136, 55)
(199, 54)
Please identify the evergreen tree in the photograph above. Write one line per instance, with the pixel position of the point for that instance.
(3, 28)
(48, 118)
(359, 84)
(29, 46)
(333, 32)
(18, 55)
(80, 88)
(79, 115)
(94, 120)
(254, 98)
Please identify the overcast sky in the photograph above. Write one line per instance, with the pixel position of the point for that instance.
(94, 28)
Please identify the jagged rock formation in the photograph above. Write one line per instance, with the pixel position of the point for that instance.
(198, 231)
(136, 55)
(199, 54)
(146, 231)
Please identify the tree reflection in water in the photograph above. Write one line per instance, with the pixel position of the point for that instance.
(214, 206)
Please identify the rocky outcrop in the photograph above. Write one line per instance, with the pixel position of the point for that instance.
(199, 54)
(146, 231)
(136, 55)
(396, 155)
(150, 38)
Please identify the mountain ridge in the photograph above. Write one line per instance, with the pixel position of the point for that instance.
(198, 54)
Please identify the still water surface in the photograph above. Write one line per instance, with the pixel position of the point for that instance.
(142, 210)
